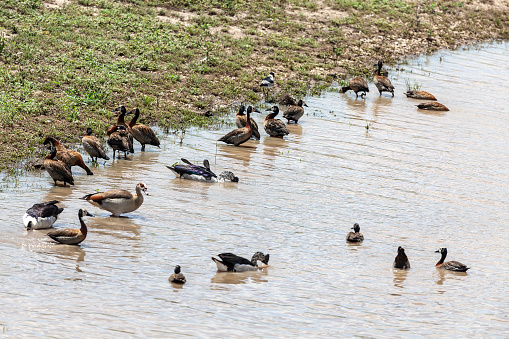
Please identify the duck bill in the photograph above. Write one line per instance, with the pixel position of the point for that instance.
(89, 214)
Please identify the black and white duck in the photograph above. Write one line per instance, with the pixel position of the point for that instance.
(42, 215)
(191, 171)
(233, 263)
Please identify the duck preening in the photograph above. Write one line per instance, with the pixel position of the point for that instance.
(382, 82)
(118, 201)
(418, 94)
(357, 85)
(450, 265)
(355, 236)
(240, 135)
(41, 216)
(118, 139)
(241, 120)
(233, 263)
(177, 277)
(432, 106)
(294, 113)
(143, 133)
(72, 236)
(58, 170)
(401, 260)
(201, 173)
(275, 127)
(69, 157)
(93, 146)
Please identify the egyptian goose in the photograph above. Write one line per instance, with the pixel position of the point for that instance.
(357, 85)
(382, 82)
(201, 173)
(355, 236)
(275, 127)
(93, 146)
(418, 94)
(294, 113)
(401, 260)
(118, 139)
(241, 120)
(70, 157)
(233, 263)
(450, 265)
(118, 201)
(58, 170)
(41, 216)
(71, 236)
(144, 134)
(177, 277)
(239, 135)
(432, 106)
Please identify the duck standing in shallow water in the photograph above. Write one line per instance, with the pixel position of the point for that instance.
(241, 120)
(450, 265)
(177, 277)
(93, 146)
(240, 135)
(41, 216)
(418, 94)
(201, 173)
(233, 263)
(70, 157)
(401, 260)
(356, 235)
(118, 201)
(357, 85)
(432, 106)
(144, 134)
(71, 236)
(118, 139)
(275, 127)
(382, 82)
(294, 113)
(58, 170)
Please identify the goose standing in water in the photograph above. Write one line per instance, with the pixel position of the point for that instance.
(401, 260)
(450, 265)
(294, 113)
(118, 201)
(201, 173)
(58, 170)
(241, 120)
(70, 157)
(144, 134)
(93, 146)
(275, 127)
(432, 106)
(233, 263)
(357, 85)
(41, 216)
(177, 277)
(239, 135)
(418, 94)
(118, 139)
(72, 236)
(382, 82)
(355, 236)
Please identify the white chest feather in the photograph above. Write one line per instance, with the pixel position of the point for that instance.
(38, 223)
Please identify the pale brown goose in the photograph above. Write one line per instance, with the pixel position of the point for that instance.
(355, 236)
(177, 277)
(70, 157)
(93, 146)
(241, 120)
(239, 135)
(294, 113)
(401, 260)
(275, 127)
(58, 170)
(143, 133)
(357, 85)
(418, 94)
(450, 265)
(382, 82)
(432, 106)
(118, 201)
(71, 236)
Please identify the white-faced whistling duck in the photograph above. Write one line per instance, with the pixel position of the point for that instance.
(177, 277)
(267, 83)
(418, 94)
(93, 146)
(122, 113)
(241, 120)
(143, 133)
(41, 216)
(432, 106)
(239, 135)
(233, 263)
(355, 236)
(287, 100)
(71, 236)
(275, 127)
(118, 201)
(294, 113)
(201, 173)
(58, 170)
(449, 265)
(68, 156)
(357, 85)
(382, 82)
(401, 260)
(118, 139)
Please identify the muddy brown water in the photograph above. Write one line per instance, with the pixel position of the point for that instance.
(416, 179)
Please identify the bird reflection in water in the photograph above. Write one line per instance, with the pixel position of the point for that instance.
(240, 277)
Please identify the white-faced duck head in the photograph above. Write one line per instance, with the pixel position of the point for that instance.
(89, 131)
(441, 250)
(301, 103)
(83, 212)
(356, 228)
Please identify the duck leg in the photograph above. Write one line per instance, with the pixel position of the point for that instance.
(143, 147)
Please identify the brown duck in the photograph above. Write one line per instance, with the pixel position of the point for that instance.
(177, 277)
(275, 127)
(382, 82)
(418, 94)
(118, 139)
(70, 157)
(239, 135)
(241, 120)
(93, 146)
(356, 235)
(121, 122)
(357, 85)
(144, 134)
(294, 113)
(57, 169)
(401, 260)
(72, 236)
(450, 265)
(432, 106)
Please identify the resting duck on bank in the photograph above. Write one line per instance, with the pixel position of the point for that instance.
(71, 236)
(144, 134)
(355, 236)
(118, 201)
(382, 82)
(418, 94)
(241, 120)
(201, 173)
(401, 260)
(432, 106)
(93, 146)
(41, 216)
(233, 263)
(450, 265)
(58, 170)
(177, 277)
(357, 85)
(239, 135)
(118, 139)
(275, 127)
(69, 157)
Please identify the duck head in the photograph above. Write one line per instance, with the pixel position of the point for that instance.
(177, 269)
(301, 103)
(89, 131)
(356, 228)
(275, 111)
(251, 110)
(242, 108)
(441, 250)
(228, 176)
(52, 153)
(264, 258)
(401, 250)
(83, 212)
(48, 142)
(142, 187)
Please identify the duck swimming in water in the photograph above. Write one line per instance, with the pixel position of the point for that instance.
(177, 277)
(233, 263)
(241, 120)
(71, 236)
(239, 135)
(294, 113)
(93, 146)
(449, 265)
(382, 82)
(143, 133)
(201, 173)
(418, 94)
(355, 236)
(118, 201)
(58, 170)
(401, 260)
(41, 216)
(357, 85)
(432, 106)
(275, 127)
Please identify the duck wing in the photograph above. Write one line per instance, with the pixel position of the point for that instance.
(144, 134)
(230, 259)
(276, 127)
(66, 232)
(237, 136)
(384, 82)
(455, 266)
(111, 194)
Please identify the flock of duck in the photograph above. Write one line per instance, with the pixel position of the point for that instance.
(120, 137)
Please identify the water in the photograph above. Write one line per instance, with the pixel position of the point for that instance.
(416, 179)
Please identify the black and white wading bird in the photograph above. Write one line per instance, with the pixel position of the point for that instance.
(41, 216)
(267, 83)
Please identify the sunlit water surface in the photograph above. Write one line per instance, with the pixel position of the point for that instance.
(416, 179)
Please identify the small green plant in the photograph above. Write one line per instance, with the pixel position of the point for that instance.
(412, 87)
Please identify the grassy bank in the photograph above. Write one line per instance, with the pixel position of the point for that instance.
(64, 64)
